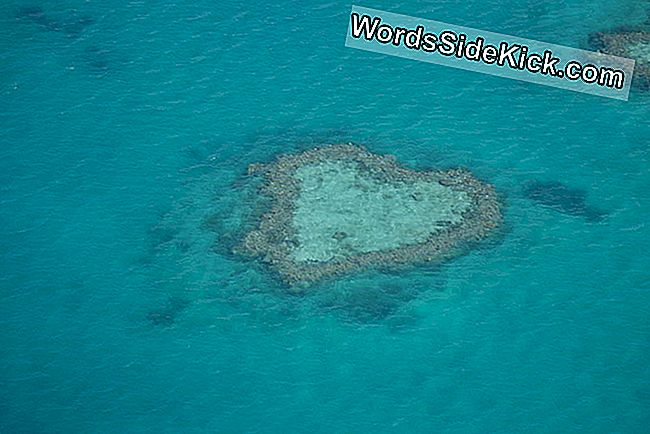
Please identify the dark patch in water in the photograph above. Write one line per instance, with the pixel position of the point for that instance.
(371, 304)
(595, 42)
(165, 316)
(562, 198)
(71, 25)
(161, 234)
(97, 58)
(76, 26)
(34, 14)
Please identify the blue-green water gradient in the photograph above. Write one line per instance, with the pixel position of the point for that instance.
(121, 158)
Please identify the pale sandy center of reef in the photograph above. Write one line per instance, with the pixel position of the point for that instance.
(340, 212)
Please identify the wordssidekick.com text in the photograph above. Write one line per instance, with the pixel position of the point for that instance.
(505, 55)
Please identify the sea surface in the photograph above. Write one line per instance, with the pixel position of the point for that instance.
(125, 133)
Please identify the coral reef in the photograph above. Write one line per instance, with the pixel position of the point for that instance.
(627, 42)
(339, 209)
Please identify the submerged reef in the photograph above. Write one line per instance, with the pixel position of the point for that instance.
(72, 24)
(627, 42)
(339, 209)
(166, 314)
(562, 198)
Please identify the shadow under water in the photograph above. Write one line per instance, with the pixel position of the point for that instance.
(166, 314)
(369, 304)
(564, 199)
(72, 25)
(98, 59)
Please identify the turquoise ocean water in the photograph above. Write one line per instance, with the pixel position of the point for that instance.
(123, 143)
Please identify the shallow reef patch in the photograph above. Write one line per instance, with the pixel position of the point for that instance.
(627, 42)
(339, 209)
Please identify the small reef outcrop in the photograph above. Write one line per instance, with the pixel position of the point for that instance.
(633, 43)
